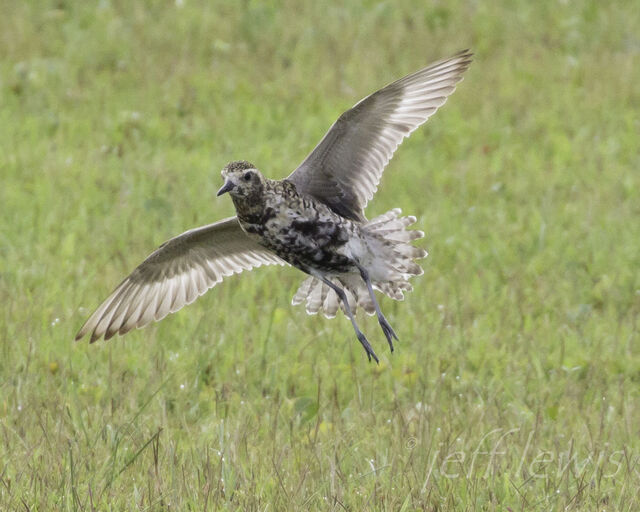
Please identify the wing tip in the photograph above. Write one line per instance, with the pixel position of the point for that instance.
(110, 335)
(461, 59)
(89, 327)
(466, 55)
(83, 331)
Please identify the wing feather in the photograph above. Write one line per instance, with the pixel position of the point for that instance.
(175, 275)
(344, 169)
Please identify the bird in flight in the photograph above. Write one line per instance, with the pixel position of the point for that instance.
(313, 220)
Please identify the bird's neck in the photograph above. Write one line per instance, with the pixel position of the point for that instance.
(250, 209)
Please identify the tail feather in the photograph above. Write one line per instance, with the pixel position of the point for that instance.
(321, 298)
(354, 284)
(384, 218)
(389, 234)
(303, 292)
(331, 303)
(316, 297)
(409, 251)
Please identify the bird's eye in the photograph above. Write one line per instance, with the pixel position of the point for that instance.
(247, 176)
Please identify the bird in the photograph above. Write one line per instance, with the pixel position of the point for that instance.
(312, 220)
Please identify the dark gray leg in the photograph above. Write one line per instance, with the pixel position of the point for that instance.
(361, 337)
(386, 328)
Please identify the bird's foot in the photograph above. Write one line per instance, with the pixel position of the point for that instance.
(367, 347)
(388, 331)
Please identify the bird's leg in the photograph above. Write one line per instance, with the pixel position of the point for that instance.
(386, 328)
(361, 337)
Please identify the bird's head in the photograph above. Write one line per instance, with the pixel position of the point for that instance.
(242, 180)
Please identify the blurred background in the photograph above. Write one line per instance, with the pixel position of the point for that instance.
(516, 381)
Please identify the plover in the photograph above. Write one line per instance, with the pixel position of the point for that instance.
(313, 220)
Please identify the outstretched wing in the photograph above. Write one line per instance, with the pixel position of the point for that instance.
(175, 275)
(344, 169)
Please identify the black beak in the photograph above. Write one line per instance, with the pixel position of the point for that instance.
(228, 185)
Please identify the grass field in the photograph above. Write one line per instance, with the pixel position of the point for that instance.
(516, 383)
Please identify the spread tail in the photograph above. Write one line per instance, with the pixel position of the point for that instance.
(393, 266)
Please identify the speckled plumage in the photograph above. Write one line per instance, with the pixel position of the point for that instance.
(343, 256)
(300, 230)
(313, 219)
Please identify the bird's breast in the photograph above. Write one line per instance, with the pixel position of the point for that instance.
(306, 236)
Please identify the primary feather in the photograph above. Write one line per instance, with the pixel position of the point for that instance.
(344, 169)
(174, 275)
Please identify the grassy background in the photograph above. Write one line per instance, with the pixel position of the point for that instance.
(516, 382)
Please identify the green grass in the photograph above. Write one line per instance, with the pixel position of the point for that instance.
(516, 384)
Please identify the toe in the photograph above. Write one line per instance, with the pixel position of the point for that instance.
(367, 347)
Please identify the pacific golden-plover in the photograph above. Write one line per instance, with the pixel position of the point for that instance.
(313, 220)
